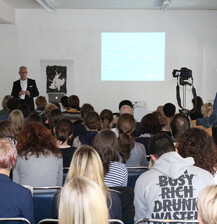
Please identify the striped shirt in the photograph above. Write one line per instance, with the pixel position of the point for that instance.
(117, 175)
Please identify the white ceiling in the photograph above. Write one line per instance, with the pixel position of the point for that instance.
(117, 4)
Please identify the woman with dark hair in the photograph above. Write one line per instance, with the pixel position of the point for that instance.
(63, 133)
(198, 144)
(39, 161)
(195, 113)
(55, 116)
(115, 172)
(132, 153)
(106, 117)
(7, 130)
(92, 125)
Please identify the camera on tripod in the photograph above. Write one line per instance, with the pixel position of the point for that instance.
(184, 74)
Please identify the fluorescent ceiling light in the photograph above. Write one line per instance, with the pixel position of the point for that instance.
(46, 5)
(165, 5)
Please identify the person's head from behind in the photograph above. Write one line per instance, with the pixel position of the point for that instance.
(64, 101)
(82, 202)
(179, 124)
(160, 144)
(17, 119)
(73, 101)
(33, 117)
(198, 103)
(207, 205)
(49, 108)
(87, 163)
(13, 103)
(86, 107)
(5, 101)
(106, 117)
(36, 139)
(41, 102)
(92, 121)
(207, 109)
(106, 144)
(126, 124)
(196, 143)
(169, 110)
(64, 130)
(150, 124)
(125, 102)
(55, 116)
(8, 154)
(126, 109)
(7, 130)
(25, 109)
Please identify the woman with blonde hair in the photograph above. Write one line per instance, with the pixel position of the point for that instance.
(87, 163)
(82, 201)
(207, 205)
(17, 119)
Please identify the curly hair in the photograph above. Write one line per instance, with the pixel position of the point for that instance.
(36, 139)
(105, 144)
(198, 144)
(125, 125)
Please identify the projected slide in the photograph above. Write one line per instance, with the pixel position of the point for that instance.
(132, 56)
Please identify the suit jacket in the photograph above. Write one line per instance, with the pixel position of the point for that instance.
(15, 200)
(31, 87)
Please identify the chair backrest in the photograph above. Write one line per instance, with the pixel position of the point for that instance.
(12, 220)
(42, 202)
(134, 173)
(50, 221)
(147, 220)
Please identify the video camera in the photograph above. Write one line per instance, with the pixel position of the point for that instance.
(184, 74)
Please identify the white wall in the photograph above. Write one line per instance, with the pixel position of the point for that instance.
(75, 35)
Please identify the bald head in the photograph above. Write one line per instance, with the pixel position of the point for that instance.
(125, 109)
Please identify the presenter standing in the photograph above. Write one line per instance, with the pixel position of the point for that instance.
(25, 88)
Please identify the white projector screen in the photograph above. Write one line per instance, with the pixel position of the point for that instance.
(132, 56)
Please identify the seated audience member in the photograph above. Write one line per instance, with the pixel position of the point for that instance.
(169, 111)
(58, 105)
(63, 133)
(33, 117)
(16, 201)
(79, 128)
(171, 184)
(17, 120)
(48, 110)
(7, 130)
(132, 153)
(82, 201)
(25, 109)
(12, 104)
(150, 125)
(64, 103)
(115, 172)
(92, 125)
(73, 112)
(207, 205)
(106, 117)
(209, 115)
(5, 109)
(55, 116)
(39, 161)
(179, 124)
(195, 113)
(41, 103)
(198, 144)
(125, 102)
(87, 163)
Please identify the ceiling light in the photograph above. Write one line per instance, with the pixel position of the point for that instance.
(165, 5)
(46, 5)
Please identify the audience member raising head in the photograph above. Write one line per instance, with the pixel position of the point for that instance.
(82, 202)
(115, 172)
(16, 201)
(106, 117)
(39, 161)
(64, 133)
(92, 125)
(132, 153)
(198, 144)
(17, 120)
(179, 124)
(207, 205)
(87, 163)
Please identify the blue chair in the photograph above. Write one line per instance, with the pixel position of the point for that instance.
(134, 173)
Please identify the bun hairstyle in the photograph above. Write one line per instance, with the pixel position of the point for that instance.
(125, 125)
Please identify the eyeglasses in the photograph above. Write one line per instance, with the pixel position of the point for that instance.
(14, 141)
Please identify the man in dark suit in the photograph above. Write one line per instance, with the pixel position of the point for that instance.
(25, 89)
